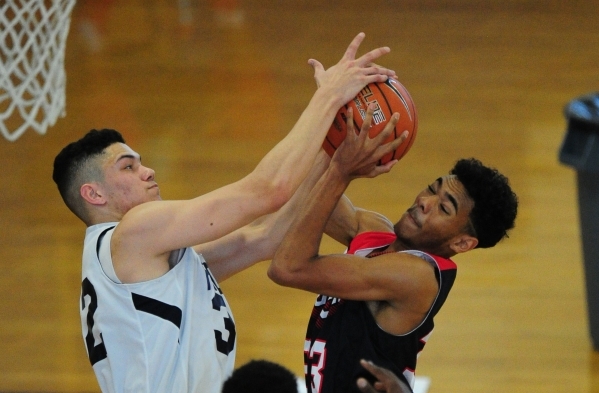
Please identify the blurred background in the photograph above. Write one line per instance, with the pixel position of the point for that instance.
(203, 89)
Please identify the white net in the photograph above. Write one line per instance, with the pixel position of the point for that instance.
(33, 35)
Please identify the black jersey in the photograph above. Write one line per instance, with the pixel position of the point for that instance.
(341, 332)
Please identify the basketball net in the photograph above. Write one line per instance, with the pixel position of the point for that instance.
(33, 35)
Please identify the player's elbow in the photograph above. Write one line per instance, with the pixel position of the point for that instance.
(280, 274)
(275, 273)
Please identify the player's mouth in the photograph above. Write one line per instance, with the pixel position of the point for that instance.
(412, 217)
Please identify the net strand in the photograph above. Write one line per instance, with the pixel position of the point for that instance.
(33, 35)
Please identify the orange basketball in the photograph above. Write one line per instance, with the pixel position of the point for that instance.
(389, 97)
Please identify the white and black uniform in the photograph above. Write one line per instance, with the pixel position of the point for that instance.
(175, 333)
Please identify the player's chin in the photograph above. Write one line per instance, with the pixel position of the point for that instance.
(406, 227)
(406, 220)
(154, 194)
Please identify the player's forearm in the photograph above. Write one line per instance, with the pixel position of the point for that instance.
(259, 240)
(300, 245)
(237, 251)
(277, 224)
(288, 163)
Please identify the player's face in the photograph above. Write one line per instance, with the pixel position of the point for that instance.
(439, 214)
(127, 183)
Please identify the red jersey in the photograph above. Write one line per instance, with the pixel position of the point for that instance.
(341, 332)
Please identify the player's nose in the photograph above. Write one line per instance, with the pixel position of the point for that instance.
(425, 202)
(148, 174)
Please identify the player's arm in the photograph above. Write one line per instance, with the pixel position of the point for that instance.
(258, 240)
(150, 231)
(347, 221)
(297, 262)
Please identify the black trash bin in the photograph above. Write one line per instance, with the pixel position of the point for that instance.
(580, 149)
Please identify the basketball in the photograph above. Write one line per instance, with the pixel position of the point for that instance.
(389, 97)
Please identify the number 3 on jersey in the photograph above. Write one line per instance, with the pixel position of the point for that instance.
(314, 358)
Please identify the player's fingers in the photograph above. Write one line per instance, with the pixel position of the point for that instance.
(390, 164)
(381, 71)
(318, 69)
(373, 172)
(386, 71)
(389, 147)
(404, 135)
(372, 55)
(375, 370)
(385, 168)
(386, 132)
(350, 125)
(352, 49)
(367, 124)
(373, 69)
(380, 78)
(364, 386)
(387, 381)
(394, 144)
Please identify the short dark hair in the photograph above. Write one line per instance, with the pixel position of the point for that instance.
(495, 204)
(261, 376)
(72, 161)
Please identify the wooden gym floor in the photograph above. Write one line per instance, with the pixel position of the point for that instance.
(203, 92)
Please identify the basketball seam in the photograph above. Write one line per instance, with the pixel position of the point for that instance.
(391, 113)
(401, 97)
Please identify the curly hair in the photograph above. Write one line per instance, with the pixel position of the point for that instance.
(71, 165)
(261, 376)
(495, 204)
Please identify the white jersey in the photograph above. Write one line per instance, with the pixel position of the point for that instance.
(174, 334)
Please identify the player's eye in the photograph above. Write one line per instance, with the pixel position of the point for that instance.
(445, 210)
(430, 189)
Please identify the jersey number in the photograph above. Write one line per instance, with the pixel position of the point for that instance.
(315, 356)
(223, 346)
(95, 352)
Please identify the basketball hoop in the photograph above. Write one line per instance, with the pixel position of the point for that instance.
(33, 35)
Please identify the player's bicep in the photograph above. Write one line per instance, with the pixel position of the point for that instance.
(347, 221)
(158, 227)
(387, 277)
(342, 226)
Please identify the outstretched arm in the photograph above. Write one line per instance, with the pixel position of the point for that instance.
(297, 262)
(258, 240)
(149, 232)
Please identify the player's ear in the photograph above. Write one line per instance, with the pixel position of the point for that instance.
(92, 193)
(463, 243)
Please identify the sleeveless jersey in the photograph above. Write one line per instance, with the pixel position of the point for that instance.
(341, 332)
(174, 333)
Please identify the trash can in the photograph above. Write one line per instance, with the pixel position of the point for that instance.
(580, 150)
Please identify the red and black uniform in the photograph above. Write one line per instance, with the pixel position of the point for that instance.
(341, 332)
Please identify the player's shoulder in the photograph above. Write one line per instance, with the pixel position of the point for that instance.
(371, 221)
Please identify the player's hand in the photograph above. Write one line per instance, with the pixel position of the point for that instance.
(346, 78)
(387, 381)
(358, 155)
